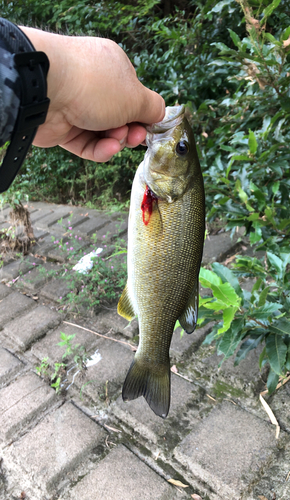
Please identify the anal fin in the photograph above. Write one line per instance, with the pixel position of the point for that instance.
(125, 307)
(188, 318)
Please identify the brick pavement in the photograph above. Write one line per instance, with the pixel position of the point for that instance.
(85, 442)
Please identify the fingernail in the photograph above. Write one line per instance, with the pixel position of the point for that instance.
(122, 141)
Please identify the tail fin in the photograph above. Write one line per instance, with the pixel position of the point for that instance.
(151, 382)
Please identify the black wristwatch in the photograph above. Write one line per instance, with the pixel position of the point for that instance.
(32, 67)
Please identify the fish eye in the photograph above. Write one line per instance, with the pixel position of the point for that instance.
(182, 148)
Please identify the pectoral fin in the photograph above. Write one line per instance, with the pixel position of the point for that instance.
(188, 318)
(125, 307)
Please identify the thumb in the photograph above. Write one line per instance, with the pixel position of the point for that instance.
(151, 106)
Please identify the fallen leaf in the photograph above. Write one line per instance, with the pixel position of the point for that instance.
(112, 428)
(270, 415)
(210, 397)
(178, 483)
(261, 497)
(174, 369)
(196, 497)
(35, 297)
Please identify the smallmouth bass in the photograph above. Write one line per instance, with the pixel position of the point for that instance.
(165, 244)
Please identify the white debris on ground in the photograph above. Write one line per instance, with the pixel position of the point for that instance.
(94, 359)
(85, 264)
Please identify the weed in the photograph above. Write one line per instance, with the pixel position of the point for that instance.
(42, 370)
(78, 351)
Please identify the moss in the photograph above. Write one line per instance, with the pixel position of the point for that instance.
(222, 388)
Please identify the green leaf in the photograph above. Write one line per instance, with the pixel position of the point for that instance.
(215, 305)
(276, 350)
(226, 294)
(208, 278)
(275, 187)
(280, 327)
(286, 33)
(259, 195)
(256, 236)
(235, 38)
(267, 310)
(268, 10)
(227, 275)
(246, 347)
(272, 39)
(275, 262)
(211, 336)
(228, 316)
(273, 379)
(257, 285)
(263, 296)
(231, 339)
(252, 142)
(220, 5)
(262, 357)
(254, 216)
(287, 364)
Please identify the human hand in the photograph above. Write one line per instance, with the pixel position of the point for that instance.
(97, 102)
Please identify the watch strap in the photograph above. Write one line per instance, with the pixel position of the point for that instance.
(32, 67)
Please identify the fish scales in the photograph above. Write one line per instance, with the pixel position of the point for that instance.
(164, 256)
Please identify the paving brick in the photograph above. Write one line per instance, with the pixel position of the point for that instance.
(12, 306)
(218, 247)
(19, 267)
(33, 325)
(114, 363)
(122, 476)
(280, 405)
(48, 348)
(112, 230)
(38, 277)
(21, 401)
(275, 478)
(236, 381)
(72, 221)
(56, 445)
(228, 449)
(92, 225)
(40, 233)
(110, 320)
(67, 252)
(141, 418)
(52, 218)
(9, 366)
(40, 214)
(40, 205)
(56, 289)
(4, 290)
(180, 345)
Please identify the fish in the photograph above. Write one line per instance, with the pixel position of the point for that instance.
(165, 243)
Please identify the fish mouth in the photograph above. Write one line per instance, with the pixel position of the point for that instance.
(173, 117)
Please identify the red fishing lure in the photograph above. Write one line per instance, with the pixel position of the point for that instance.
(147, 204)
